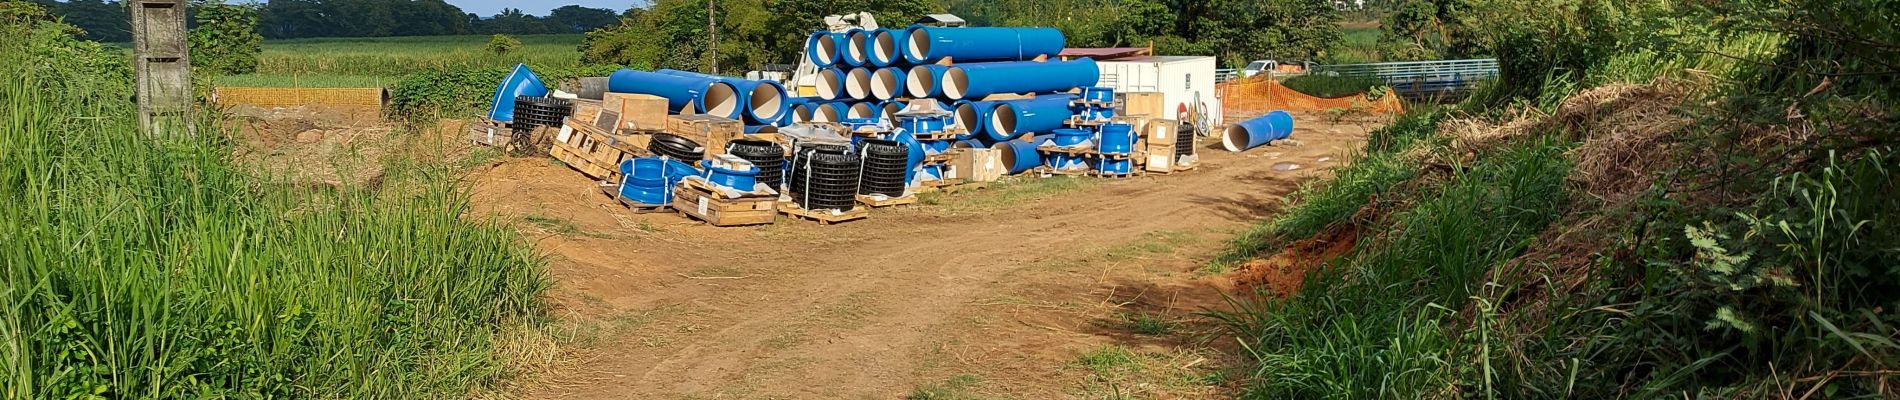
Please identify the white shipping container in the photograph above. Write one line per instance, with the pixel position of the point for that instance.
(1182, 81)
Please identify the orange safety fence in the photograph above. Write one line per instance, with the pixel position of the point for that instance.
(293, 97)
(1259, 95)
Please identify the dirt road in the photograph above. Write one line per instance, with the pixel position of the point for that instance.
(1033, 289)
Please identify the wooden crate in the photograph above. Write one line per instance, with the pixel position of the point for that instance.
(1151, 104)
(593, 152)
(825, 217)
(640, 112)
(696, 200)
(703, 128)
(1159, 145)
(588, 112)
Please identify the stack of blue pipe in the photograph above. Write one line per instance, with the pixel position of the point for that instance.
(962, 65)
(757, 103)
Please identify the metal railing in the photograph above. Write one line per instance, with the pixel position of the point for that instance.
(1421, 78)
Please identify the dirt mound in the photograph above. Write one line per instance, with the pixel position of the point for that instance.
(1285, 272)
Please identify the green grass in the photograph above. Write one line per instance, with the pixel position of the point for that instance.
(1006, 193)
(1151, 324)
(143, 267)
(960, 387)
(1325, 86)
(361, 62)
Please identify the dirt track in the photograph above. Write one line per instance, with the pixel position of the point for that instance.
(1008, 291)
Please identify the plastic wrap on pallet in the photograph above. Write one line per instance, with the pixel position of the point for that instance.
(521, 82)
(763, 101)
(1256, 132)
(922, 81)
(923, 44)
(1014, 118)
(973, 81)
(705, 95)
(824, 48)
(888, 83)
(886, 47)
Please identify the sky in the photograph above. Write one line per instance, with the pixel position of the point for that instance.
(540, 8)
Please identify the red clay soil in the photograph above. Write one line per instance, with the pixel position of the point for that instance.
(1001, 289)
(1283, 273)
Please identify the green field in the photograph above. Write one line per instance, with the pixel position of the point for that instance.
(1357, 45)
(369, 62)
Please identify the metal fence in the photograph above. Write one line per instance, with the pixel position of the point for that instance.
(1421, 78)
(1222, 75)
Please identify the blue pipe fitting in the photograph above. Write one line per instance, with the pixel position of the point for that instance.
(1117, 138)
(1014, 118)
(1019, 156)
(705, 95)
(521, 82)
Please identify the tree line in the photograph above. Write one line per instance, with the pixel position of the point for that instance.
(109, 21)
(751, 33)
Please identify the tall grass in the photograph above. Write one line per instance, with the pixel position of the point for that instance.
(328, 62)
(142, 267)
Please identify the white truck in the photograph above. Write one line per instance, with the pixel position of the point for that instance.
(1185, 82)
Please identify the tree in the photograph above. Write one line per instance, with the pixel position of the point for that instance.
(503, 44)
(577, 19)
(226, 38)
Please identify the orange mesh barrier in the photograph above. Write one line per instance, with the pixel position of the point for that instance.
(1259, 95)
(292, 97)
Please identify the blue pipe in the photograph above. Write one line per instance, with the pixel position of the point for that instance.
(1013, 118)
(923, 81)
(799, 110)
(681, 92)
(830, 111)
(890, 109)
(888, 83)
(864, 110)
(973, 81)
(1019, 156)
(857, 83)
(853, 48)
(1255, 132)
(830, 83)
(762, 101)
(924, 44)
(886, 46)
(822, 48)
(521, 82)
(974, 116)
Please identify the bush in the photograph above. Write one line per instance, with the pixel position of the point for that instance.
(226, 39)
(466, 91)
(1327, 86)
(501, 44)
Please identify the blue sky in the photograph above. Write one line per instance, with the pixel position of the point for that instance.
(491, 7)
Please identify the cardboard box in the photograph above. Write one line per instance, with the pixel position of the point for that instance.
(1151, 104)
(978, 165)
(639, 112)
(1160, 137)
(704, 128)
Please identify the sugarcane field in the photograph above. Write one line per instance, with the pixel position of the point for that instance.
(949, 199)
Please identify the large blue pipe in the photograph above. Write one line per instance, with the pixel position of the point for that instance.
(886, 47)
(705, 95)
(924, 44)
(1019, 156)
(857, 83)
(799, 110)
(1255, 132)
(762, 102)
(974, 116)
(822, 48)
(973, 81)
(829, 111)
(921, 81)
(521, 82)
(830, 83)
(1013, 118)
(854, 54)
(888, 83)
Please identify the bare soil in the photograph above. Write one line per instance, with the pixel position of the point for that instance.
(1007, 291)
(1029, 289)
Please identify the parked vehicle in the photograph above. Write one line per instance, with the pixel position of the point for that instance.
(1277, 68)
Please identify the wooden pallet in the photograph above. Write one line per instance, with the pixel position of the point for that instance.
(939, 158)
(887, 202)
(824, 217)
(700, 202)
(1045, 171)
(1108, 175)
(948, 133)
(592, 151)
(954, 186)
(613, 192)
(1081, 123)
(1087, 103)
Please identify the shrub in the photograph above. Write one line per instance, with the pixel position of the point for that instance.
(226, 39)
(501, 44)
